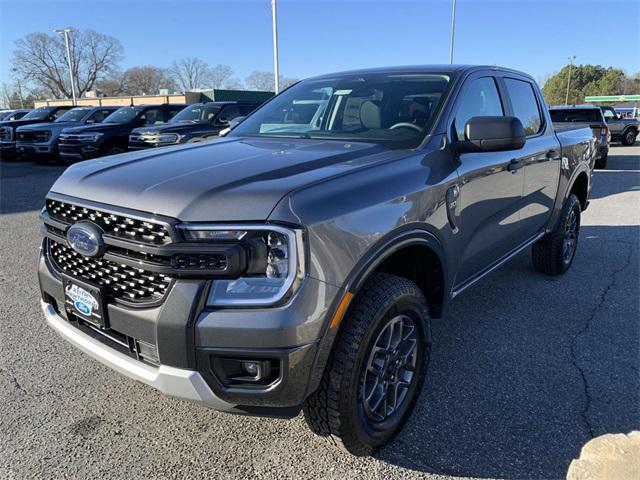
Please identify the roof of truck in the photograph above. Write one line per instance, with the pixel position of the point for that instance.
(573, 107)
(442, 68)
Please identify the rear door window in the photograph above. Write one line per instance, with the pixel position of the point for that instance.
(578, 115)
(525, 105)
(481, 98)
(152, 116)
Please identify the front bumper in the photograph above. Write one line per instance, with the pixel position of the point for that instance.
(80, 151)
(32, 150)
(190, 338)
(175, 382)
(7, 150)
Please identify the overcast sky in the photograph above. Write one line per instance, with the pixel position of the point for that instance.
(323, 36)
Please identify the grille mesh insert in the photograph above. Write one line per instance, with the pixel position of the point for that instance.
(119, 281)
(112, 224)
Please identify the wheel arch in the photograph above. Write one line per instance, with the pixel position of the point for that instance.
(399, 245)
(580, 187)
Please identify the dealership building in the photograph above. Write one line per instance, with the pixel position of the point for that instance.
(200, 96)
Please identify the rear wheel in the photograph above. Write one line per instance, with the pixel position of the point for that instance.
(554, 253)
(629, 137)
(377, 368)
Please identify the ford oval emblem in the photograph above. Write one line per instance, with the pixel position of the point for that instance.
(86, 239)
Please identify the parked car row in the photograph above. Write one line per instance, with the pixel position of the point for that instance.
(68, 134)
(606, 126)
(15, 114)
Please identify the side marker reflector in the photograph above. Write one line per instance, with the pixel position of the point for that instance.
(341, 310)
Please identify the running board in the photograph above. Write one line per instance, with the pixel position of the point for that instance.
(479, 276)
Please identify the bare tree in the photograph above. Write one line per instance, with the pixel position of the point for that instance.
(221, 76)
(146, 80)
(189, 73)
(40, 59)
(258, 80)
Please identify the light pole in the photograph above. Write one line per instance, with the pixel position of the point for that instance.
(276, 69)
(66, 32)
(566, 98)
(15, 70)
(453, 29)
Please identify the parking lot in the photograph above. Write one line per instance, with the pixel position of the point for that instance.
(525, 370)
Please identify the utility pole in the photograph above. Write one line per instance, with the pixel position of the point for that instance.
(276, 69)
(66, 32)
(566, 98)
(453, 29)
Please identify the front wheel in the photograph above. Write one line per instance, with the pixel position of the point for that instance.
(377, 368)
(554, 253)
(629, 137)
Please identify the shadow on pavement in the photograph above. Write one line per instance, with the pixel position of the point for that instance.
(23, 186)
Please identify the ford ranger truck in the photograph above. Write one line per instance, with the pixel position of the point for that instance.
(39, 142)
(298, 262)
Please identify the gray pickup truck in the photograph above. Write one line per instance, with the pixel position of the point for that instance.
(569, 117)
(623, 130)
(297, 263)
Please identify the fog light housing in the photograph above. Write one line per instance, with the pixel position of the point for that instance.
(247, 372)
(252, 369)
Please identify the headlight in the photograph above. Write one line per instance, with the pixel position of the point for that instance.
(89, 137)
(156, 138)
(275, 263)
(168, 138)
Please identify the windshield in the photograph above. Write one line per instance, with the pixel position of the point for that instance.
(38, 114)
(582, 115)
(196, 114)
(123, 115)
(73, 115)
(392, 109)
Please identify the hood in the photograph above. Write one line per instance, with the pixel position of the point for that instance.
(98, 127)
(228, 180)
(20, 123)
(168, 128)
(51, 126)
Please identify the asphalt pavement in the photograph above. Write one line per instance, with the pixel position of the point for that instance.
(525, 370)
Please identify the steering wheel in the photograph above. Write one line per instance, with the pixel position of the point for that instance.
(406, 125)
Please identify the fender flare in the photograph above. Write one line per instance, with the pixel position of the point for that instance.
(406, 236)
(626, 129)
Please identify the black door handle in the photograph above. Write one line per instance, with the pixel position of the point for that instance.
(515, 164)
(553, 155)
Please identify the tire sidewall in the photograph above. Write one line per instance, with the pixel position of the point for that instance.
(414, 307)
(572, 204)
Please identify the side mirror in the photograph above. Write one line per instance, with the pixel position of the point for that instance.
(222, 122)
(234, 123)
(492, 134)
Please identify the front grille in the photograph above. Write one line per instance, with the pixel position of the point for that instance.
(116, 225)
(119, 281)
(33, 136)
(6, 134)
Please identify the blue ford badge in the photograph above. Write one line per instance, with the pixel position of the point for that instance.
(86, 239)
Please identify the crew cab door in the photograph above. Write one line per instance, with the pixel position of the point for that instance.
(540, 158)
(490, 194)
